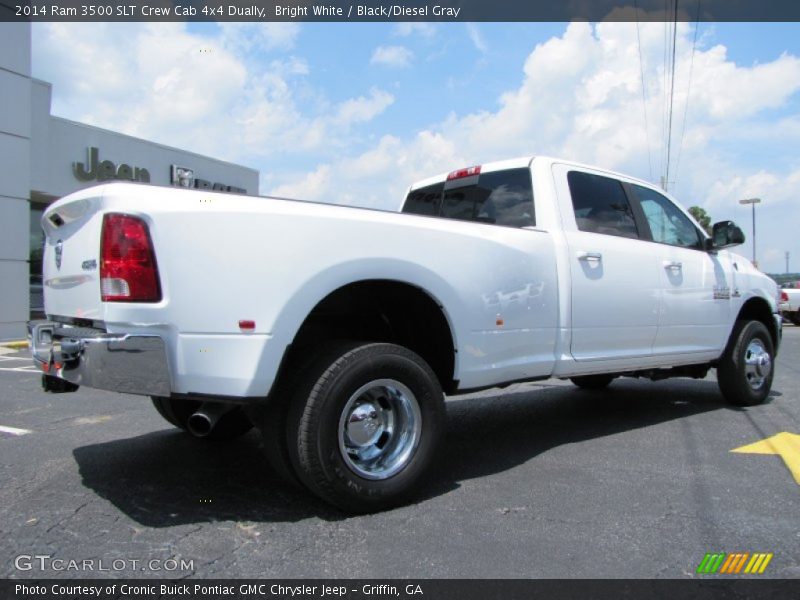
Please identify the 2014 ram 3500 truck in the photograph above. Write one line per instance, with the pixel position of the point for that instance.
(337, 331)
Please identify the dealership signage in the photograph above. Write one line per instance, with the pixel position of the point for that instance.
(106, 170)
(184, 177)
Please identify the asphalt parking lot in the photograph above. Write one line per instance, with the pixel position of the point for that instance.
(538, 480)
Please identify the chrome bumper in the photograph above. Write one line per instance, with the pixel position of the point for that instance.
(131, 364)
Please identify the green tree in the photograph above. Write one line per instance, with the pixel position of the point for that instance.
(702, 217)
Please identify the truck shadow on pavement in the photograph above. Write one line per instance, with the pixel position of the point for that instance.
(166, 478)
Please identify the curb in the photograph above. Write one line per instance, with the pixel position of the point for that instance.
(15, 345)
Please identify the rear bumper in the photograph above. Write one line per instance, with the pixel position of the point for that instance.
(131, 364)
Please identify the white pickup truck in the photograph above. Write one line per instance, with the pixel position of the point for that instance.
(790, 302)
(337, 331)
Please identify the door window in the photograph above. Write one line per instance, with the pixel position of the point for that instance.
(601, 205)
(668, 224)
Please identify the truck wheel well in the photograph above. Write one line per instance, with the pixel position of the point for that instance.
(382, 311)
(757, 309)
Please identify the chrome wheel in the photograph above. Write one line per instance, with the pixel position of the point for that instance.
(379, 429)
(757, 364)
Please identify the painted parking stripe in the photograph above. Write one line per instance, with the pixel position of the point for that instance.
(14, 430)
(30, 369)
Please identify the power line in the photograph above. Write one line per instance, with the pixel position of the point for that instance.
(644, 100)
(688, 90)
(671, 92)
(664, 96)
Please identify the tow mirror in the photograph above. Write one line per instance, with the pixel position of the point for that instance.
(726, 234)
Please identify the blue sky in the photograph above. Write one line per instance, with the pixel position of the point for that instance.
(355, 112)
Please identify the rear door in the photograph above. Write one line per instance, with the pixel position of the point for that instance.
(615, 280)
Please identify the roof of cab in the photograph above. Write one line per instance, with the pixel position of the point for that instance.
(513, 163)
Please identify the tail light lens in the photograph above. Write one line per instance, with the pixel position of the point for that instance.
(784, 297)
(128, 270)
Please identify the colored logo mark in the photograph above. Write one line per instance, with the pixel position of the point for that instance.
(734, 563)
(784, 444)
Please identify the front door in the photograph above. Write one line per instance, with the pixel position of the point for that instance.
(695, 284)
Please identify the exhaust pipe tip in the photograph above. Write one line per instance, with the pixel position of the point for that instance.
(202, 422)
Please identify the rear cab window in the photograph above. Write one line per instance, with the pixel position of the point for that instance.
(503, 197)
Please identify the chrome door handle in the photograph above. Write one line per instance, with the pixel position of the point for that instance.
(590, 256)
(673, 264)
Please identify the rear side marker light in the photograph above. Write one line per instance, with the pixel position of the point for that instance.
(461, 173)
(128, 270)
(247, 325)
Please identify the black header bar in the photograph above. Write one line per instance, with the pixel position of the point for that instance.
(406, 10)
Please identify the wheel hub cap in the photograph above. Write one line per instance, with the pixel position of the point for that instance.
(758, 364)
(365, 425)
(379, 429)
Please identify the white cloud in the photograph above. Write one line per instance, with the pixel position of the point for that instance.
(392, 56)
(419, 28)
(477, 39)
(211, 94)
(364, 108)
(244, 37)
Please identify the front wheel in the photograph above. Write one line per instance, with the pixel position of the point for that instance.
(365, 426)
(746, 368)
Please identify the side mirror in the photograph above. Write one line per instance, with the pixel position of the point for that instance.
(726, 234)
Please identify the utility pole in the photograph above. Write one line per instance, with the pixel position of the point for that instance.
(787, 262)
(752, 202)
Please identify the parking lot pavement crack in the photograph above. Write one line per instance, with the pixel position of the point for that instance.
(68, 516)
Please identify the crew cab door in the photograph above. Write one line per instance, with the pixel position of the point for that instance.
(695, 284)
(615, 277)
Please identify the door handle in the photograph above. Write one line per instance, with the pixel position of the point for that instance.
(673, 264)
(590, 256)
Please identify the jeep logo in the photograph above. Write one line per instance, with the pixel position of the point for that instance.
(106, 170)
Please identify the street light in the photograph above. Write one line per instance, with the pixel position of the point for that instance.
(753, 202)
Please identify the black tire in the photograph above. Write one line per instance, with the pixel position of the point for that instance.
(160, 405)
(231, 425)
(377, 383)
(593, 382)
(746, 383)
(795, 317)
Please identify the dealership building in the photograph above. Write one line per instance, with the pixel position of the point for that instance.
(43, 158)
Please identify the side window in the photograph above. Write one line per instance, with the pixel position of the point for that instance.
(667, 223)
(498, 197)
(601, 205)
(424, 201)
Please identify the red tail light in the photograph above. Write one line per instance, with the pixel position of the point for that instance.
(128, 270)
(784, 297)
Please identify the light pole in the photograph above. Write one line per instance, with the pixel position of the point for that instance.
(752, 202)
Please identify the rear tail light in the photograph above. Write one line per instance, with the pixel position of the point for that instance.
(128, 270)
(784, 297)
